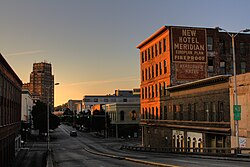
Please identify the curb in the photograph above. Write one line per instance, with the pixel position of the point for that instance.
(49, 160)
(130, 159)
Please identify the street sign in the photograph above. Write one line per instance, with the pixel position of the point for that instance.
(237, 112)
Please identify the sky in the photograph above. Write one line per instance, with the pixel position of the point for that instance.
(91, 44)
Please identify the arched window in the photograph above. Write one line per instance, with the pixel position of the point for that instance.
(122, 115)
(133, 115)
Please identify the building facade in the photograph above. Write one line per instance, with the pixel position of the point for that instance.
(75, 105)
(27, 105)
(10, 112)
(194, 115)
(89, 101)
(125, 118)
(243, 92)
(41, 84)
(175, 55)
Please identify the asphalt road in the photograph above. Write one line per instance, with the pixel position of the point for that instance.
(69, 151)
(87, 150)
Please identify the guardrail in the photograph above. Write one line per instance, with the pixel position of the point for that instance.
(199, 151)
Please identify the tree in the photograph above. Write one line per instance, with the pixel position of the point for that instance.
(39, 114)
(98, 120)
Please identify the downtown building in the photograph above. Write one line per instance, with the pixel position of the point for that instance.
(41, 85)
(179, 66)
(10, 113)
(123, 108)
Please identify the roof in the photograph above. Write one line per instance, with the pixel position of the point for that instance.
(160, 31)
(9, 69)
(199, 83)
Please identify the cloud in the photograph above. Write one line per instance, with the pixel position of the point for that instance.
(26, 53)
(97, 82)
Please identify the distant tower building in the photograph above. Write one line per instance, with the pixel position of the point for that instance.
(41, 83)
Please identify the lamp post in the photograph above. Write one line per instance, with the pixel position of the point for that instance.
(233, 35)
(48, 88)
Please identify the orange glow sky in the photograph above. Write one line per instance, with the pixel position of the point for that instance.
(92, 43)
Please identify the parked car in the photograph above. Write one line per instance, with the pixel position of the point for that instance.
(73, 133)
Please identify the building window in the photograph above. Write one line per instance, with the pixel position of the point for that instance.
(145, 56)
(95, 100)
(161, 113)
(160, 69)
(149, 73)
(142, 57)
(164, 45)
(222, 67)
(148, 53)
(153, 113)
(242, 49)
(213, 112)
(189, 112)
(133, 115)
(207, 113)
(181, 112)
(156, 50)
(209, 43)
(160, 47)
(152, 68)
(121, 115)
(142, 75)
(160, 89)
(221, 112)
(222, 46)
(156, 70)
(164, 88)
(243, 67)
(142, 93)
(153, 92)
(174, 112)
(125, 100)
(156, 113)
(149, 93)
(146, 92)
(146, 74)
(149, 113)
(152, 49)
(165, 112)
(165, 66)
(195, 112)
(210, 65)
(156, 90)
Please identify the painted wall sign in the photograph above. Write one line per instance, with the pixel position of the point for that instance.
(189, 45)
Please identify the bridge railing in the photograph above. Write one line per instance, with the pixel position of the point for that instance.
(203, 151)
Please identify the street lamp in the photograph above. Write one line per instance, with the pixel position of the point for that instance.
(233, 35)
(48, 88)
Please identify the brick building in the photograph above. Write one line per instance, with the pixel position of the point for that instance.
(176, 55)
(41, 84)
(195, 114)
(10, 112)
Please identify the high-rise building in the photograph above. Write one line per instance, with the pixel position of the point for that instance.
(41, 84)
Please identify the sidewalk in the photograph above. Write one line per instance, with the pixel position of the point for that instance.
(33, 154)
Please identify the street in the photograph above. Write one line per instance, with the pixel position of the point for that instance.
(88, 150)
